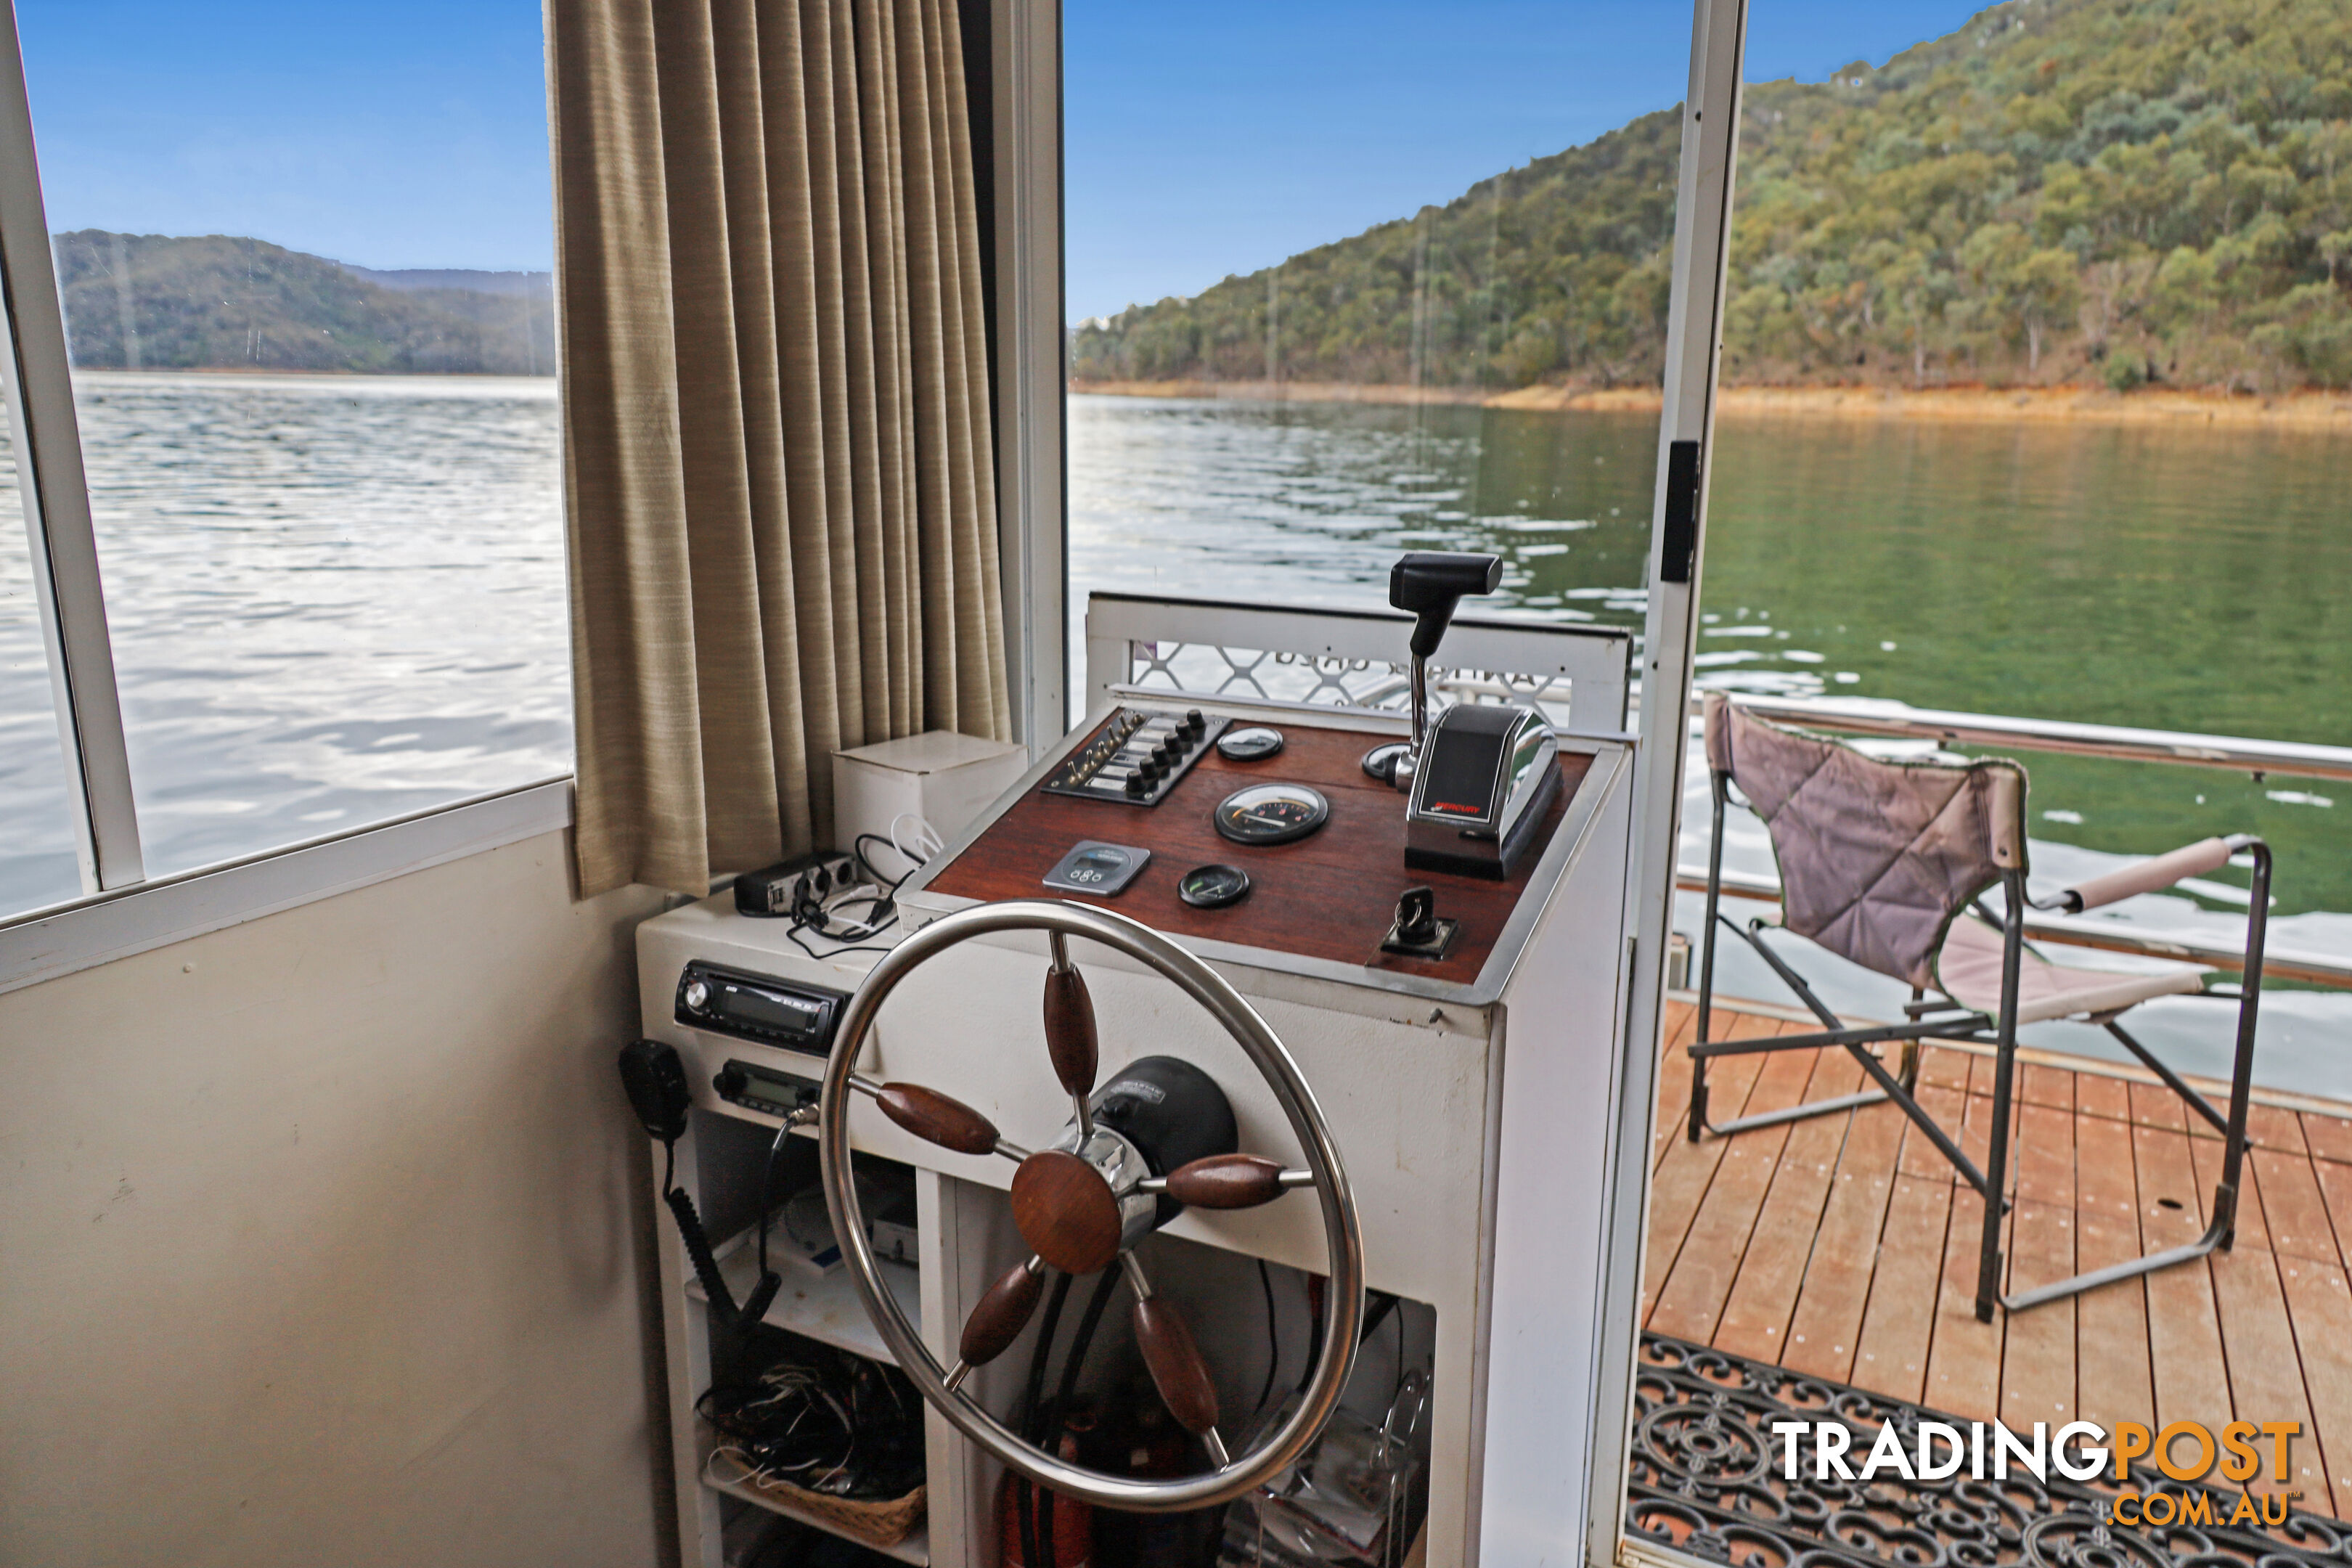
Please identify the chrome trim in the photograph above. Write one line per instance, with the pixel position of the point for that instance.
(38, 385)
(1595, 659)
(2105, 935)
(2294, 759)
(45, 943)
(1343, 1304)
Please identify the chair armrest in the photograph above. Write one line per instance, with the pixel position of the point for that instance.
(2150, 876)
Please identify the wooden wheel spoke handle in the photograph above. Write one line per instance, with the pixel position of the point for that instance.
(1002, 1313)
(1178, 1370)
(936, 1119)
(1227, 1182)
(1070, 1035)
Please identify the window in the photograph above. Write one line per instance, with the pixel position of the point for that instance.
(37, 852)
(1988, 442)
(1348, 280)
(304, 259)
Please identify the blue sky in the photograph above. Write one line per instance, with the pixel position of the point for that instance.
(1221, 135)
(412, 134)
(1212, 137)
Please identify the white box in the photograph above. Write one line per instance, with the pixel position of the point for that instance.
(944, 778)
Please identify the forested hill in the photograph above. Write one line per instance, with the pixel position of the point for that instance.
(214, 303)
(2062, 191)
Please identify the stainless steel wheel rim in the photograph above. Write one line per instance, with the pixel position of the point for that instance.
(1344, 1301)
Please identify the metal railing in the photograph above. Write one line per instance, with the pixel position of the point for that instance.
(1859, 716)
(2234, 753)
(1349, 660)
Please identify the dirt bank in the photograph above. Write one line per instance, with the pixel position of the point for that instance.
(2308, 410)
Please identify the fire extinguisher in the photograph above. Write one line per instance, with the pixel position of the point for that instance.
(1069, 1521)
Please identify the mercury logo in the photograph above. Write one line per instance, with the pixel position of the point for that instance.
(2079, 1450)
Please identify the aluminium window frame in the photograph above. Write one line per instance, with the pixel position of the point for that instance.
(1705, 182)
(37, 377)
(1703, 205)
(122, 911)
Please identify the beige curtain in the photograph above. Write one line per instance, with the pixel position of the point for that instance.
(781, 509)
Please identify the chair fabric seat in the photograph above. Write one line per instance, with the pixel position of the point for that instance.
(1970, 972)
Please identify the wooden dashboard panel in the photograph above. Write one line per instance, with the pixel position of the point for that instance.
(1330, 896)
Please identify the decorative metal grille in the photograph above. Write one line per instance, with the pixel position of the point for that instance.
(1705, 1480)
(1207, 669)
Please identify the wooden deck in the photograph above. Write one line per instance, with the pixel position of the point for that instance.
(1845, 1247)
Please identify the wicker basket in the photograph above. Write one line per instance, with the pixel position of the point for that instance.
(883, 1522)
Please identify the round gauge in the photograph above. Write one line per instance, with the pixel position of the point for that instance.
(1271, 814)
(1214, 886)
(1254, 744)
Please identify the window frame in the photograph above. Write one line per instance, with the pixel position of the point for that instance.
(1703, 208)
(122, 911)
(37, 378)
(1705, 181)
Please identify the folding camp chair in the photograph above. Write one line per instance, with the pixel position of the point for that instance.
(1885, 864)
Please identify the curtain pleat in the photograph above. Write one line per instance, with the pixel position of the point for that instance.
(781, 500)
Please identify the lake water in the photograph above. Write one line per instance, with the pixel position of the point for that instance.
(337, 599)
(333, 599)
(2178, 579)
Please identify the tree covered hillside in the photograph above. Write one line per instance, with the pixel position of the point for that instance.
(214, 303)
(2060, 190)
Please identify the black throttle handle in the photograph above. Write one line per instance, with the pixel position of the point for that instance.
(1431, 583)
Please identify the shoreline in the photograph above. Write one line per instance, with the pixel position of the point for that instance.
(2049, 404)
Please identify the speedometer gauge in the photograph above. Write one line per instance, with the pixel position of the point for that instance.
(1271, 814)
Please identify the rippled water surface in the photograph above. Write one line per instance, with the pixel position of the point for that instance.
(2180, 579)
(337, 599)
(333, 600)
(2184, 579)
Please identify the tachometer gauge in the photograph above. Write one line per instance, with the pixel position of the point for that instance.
(1271, 814)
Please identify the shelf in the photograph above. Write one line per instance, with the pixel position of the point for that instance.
(916, 1549)
(825, 1307)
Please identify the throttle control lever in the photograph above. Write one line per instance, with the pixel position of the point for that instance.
(1431, 584)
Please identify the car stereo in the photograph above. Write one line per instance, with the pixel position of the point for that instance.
(781, 1013)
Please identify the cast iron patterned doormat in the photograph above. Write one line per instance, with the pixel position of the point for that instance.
(1707, 1480)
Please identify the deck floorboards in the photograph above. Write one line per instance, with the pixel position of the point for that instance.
(1845, 1246)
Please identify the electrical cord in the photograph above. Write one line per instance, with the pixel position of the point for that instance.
(697, 1244)
(793, 932)
(756, 1306)
(1024, 1493)
(1075, 1362)
(858, 847)
(927, 839)
(824, 1421)
(1273, 1342)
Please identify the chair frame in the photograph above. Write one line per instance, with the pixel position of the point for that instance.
(1975, 1026)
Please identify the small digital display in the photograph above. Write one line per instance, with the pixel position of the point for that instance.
(775, 1090)
(1094, 867)
(770, 1011)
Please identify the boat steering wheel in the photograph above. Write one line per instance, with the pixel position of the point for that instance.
(1082, 1206)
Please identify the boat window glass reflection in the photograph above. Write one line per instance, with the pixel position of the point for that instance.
(304, 257)
(36, 801)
